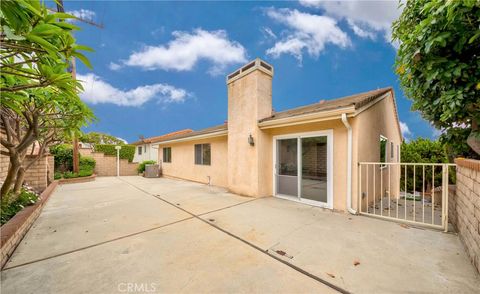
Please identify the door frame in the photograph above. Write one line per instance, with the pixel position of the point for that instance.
(329, 134)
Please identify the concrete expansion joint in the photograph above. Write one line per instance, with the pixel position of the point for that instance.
(276, 255)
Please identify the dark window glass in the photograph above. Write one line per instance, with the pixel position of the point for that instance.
(167, 154)
(198, 153)
(383, 149)
(202, 154)
(391, 150)
(206, 154)
(139, 150)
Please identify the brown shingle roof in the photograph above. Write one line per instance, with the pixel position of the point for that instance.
(162, 137)
(209, 130)
(357, 100)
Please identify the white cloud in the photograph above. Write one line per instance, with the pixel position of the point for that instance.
(187, 49)
(308, 32)
(98, 91)
(83, 14)
(405, 129)
(267, 32)
(114, 66)
(365, 17)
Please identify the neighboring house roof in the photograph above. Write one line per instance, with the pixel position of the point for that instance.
(357, 100)
(162, 137)
(220, 129)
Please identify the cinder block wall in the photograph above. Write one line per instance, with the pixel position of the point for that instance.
(464, 209)
(40, 174)
(106, 165)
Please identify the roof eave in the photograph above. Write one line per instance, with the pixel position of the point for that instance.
(307, 118)
(195, 137)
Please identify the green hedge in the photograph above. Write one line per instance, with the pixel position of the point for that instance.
(127, 151)
(141, 166)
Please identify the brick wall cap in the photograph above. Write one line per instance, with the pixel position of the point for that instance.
(468, 163)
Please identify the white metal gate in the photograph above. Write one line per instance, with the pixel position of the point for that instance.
(415, 193)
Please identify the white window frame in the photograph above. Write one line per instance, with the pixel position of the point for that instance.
(382, 166)
(329, 134)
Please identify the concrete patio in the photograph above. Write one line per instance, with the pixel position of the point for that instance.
(176, 236)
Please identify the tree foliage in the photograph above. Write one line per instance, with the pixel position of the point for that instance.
(39, 97)
(438, 63)
(100, 138)
(422, 150)
(127, 151)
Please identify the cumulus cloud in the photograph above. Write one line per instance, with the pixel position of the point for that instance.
(306, 32)
(187, 49)
(97, 91)
(366, 18)
(114, 66)
(405, 129)
(83, 14)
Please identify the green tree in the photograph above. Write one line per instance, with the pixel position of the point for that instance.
(438, 63)
(422, 150)
(39, 98)
(100, 138)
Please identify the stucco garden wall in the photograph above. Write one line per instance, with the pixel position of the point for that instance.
(464, 207)
(106, 165)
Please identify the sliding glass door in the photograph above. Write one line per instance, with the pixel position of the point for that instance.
(303, 167)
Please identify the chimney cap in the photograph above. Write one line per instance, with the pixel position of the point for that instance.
(250, 67)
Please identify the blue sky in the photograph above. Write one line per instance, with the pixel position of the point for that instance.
(160, 66)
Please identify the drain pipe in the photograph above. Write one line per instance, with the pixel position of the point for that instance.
(349, 163)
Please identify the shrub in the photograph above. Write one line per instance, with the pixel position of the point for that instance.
(63, 157)
(57, 175)
(85, 172)
(127, 151)
(87, 163)
(141, 166)
(8, 210)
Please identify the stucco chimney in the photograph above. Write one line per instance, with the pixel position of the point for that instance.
(249, 99)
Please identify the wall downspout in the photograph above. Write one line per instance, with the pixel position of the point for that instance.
(349, 163)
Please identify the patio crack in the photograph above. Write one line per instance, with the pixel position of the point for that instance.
(96, 244)
(266, 252)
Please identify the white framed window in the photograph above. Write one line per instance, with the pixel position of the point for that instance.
(383, 150)
(167, 154)
(202, 154)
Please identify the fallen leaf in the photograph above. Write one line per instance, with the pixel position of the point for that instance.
(331, 275)
(356, 262)
(405, 226)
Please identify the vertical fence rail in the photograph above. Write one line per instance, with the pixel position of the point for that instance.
(405, 188)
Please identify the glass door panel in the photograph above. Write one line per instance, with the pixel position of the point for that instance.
(314, 169)
(287, 167)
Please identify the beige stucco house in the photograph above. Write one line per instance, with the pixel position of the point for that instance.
(308, 154)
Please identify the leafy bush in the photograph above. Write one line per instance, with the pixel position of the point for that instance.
(87, 162)
(8, 210)
(423, 150)
(127, 151)
(141, 166)
(57, 175)
(63, 156)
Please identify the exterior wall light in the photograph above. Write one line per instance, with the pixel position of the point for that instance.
(250, 140)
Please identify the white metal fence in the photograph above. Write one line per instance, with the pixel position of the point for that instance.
(415, 193)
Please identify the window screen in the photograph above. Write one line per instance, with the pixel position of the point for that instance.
(167, 154)
(202, 154)
(383, 150)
